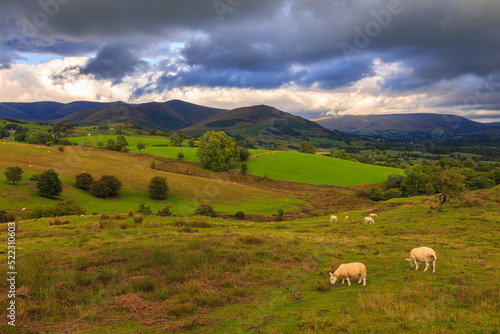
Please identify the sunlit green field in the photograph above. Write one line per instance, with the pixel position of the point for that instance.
(318, 169)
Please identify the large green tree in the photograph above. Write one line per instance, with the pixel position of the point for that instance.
(217, 151)
(450, 182)
(176, 140)
(14, 174)
(49, 184)
(106, 186)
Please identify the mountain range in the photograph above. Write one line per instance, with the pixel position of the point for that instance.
(258, 121)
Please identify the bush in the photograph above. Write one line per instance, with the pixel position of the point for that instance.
(165, 212)
(239, 215)
(393, 193)
(58, 221)
(180, 155)
(243, 168)
(106, 186)
(153, 164)
(158, 188)
(68, 207)
(307, 147)
(394, 181)
(145, 210)
(84, 181)
(49, 185)
(280, 216)
(376, 194)
(6, 217)
(244, 154)
(138, 219)
(205, 210)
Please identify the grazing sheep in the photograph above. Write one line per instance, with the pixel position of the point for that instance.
(369, 220)
(349, 270)
(333, 218)
(23, 209)
(423, 254)
(346, 217)
(373, 215)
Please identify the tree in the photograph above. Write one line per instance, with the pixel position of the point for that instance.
(6, 217)
(176, 140)
(48, 184)
(158, 188)
(217, 151)
(247, 143)
(307, 147)
(60, 149)
(180, 155)
(191, 142)
(342, 154)
(84, 181)
(394, 181)
(243, 168)
(140, 146)
(13, 174)
(106, 186)
(418, 181)
(451, 184)
(244, 154)
(121, 142)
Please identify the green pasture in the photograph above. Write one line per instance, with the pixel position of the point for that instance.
(185, 194)
(97, 274)
(318, 169)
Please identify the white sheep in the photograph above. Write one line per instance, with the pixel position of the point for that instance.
(23, 209)
(346, 217)
(349, 270)
(373, 215)
(333, 218)
(369, 220)
(423, 254)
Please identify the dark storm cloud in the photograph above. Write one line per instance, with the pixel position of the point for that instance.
(239, 43)
(113, 62)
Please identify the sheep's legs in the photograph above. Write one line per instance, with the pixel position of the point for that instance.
(416, 265)
(433, 267)
(348, 281)
(426, 266)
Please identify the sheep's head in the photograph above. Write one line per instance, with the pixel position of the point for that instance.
(412, 262)
(333, 279)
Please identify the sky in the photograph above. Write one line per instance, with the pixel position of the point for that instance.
(312, 58)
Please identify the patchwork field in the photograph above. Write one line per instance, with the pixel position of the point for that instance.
(110, 274)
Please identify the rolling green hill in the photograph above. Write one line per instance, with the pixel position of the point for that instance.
(318, 169)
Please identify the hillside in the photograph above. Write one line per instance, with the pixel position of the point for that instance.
(263, 122)
(171, 115)
(43, 111)
(426, 123)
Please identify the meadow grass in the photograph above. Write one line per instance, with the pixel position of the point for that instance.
(185, 194)
(318, 169)
(223, 276)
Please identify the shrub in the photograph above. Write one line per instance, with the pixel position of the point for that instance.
(239, 215)
(244, 154)
(393, 193)
(58, 221)
(205, 210)
(66, 208)
(307, 147)
(180, 155)
(158, 188)
(153, 164)
(280, 216)
(138, 219)
(84, 181)
(130, 213)
(49, 185)
(394, 181)
(145, 210)
(106, 186)
(376, 194)
(6, 217)
(243, 168)
(165, 212)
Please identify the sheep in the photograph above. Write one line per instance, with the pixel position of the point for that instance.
(333, 218)
(369, 220)
(346, 217)
(349, 270)
(373, 215)
(423, 254)
(23, 209)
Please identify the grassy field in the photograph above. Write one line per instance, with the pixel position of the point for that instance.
(150, 142)
(112, 275)
(133, 170)
(318, 169)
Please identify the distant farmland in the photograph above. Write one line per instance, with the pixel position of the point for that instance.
(317, 169)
